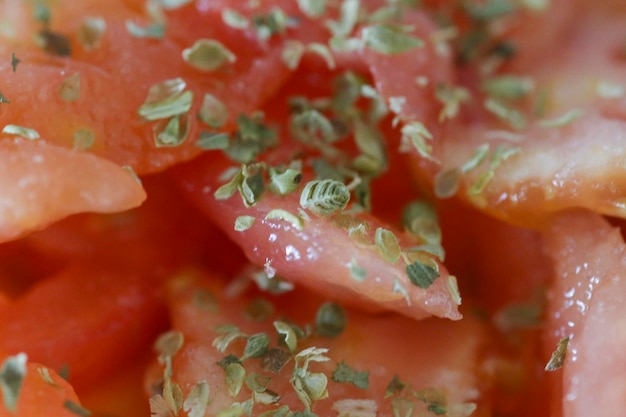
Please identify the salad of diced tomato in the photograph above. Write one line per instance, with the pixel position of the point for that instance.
(312, 208)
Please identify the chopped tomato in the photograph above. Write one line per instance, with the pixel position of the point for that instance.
(586, 306)
(440, 359)
(89, 319)
(42, 183)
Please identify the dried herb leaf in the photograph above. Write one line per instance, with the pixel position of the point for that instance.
(83, 139)
(344, 373)
(234, 379)
(14, 61)
(208, 55)
(274, 360)
(234, 19)
(213, 141)
(12, 373)
(155, 30)
(312, 8)
(76, 409)
(21, 131)
(394, 387)
(563, 120)
(171, 132)
(330, 320)
(288, 336)
(421, 275)
(387, 245)
(197, 400)
(280, 214)
(283, 182)
(213, 112)
(389, 39)
(90, 32)
(256, 346)
(166, 99)
(324, 196)
(243, 223)
(558, 356)
(355, 408)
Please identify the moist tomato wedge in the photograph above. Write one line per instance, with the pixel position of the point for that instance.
(89, 319)
(437, 361)
(42, 183)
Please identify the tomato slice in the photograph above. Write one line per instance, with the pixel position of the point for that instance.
(89, 319)
(587, 306)
(42, 183)
(115, 76)
(441, 356)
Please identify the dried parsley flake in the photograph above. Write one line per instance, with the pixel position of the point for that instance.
(345, 374)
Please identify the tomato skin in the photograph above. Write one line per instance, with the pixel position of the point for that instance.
(40, 398)
(90, 318)
(43, 183)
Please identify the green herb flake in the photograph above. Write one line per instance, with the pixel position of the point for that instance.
(434, 399)
(345, 374)
(356, 272)
(227, 334)
(488, 10)
(90, 32)
(447, 182)
(41, 13)
(395, 386)
(3, 99)
(280, 214)
(166, 99)
(415, 135)
(452, 98)
(309, 386)
(310, 125)
(234, 378)
(70, 88)
(256, 346)
(292, 53)
(14, 61)
(213, 112)
(234, 19)
(453, 289)
(558, 356)
(258, 310)
(53, 43)
(213, 141)
(208, 55)
(21, 131)
(83, 139)
(171, 132)
(287, 335)
(348, 17)
(44, 373)
(312, 8)
(387, 245)
(606, 89)
(509, 87)
(421, 275)
(227, 190)
(283, 182)
(324, 196)
(168, 344)
(12, 373)
(477, 158)
(420, 219)
(173, 4)
(197, 400)
(271, 23)
(536, 5)
(257, 383)
(243, 223)
(389, 39)
(505, 113)
(155, 30)
(330, 320)
(562, 120)
(76, 409)
(323, 52)
(274, 360)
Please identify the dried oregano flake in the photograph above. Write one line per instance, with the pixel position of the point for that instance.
(324, 196)
(421, 274)
(24, 132)
(208, 55)
(70, 88)
(197, 400)
(330, 320)
(90, 32)
(344, 373)
(389, 39)
(12, 373)
(387, 245)
(166, 99)
(243, 223)
(558, 356)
